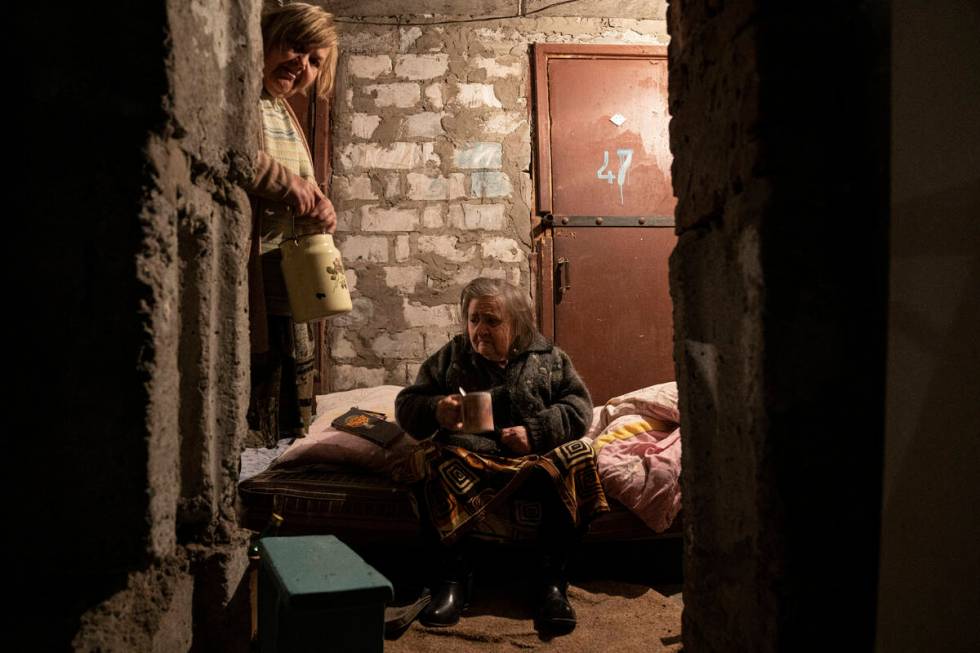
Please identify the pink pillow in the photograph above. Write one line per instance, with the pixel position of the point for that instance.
(325, 444)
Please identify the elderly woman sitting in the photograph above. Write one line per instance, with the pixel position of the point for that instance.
(540, 409)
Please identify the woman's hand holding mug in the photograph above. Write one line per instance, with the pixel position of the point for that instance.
(449, 412)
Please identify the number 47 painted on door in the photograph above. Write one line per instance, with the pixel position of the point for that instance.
(625, 158)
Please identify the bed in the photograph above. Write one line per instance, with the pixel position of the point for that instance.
(332, 482)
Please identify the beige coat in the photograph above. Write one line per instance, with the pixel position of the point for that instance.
(270, 184)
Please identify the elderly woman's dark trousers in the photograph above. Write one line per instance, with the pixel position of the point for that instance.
(451, 567)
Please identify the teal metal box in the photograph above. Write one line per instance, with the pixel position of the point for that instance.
(316, 594)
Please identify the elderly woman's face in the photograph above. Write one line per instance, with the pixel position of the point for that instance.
(289, 70)
(489, 328)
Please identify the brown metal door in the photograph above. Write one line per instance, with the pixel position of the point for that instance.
(605, 196)
(614, 319)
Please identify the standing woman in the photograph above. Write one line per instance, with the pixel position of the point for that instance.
(300, 56)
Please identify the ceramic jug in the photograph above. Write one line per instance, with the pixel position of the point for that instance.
(314, 275)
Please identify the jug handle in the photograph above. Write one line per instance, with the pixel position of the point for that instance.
(292, 223)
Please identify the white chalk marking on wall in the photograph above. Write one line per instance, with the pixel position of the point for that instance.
(625, 159)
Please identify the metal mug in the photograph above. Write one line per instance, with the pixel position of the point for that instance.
(477, 409)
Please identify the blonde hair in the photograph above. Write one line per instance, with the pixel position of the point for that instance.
(515, 303)
(303, 27)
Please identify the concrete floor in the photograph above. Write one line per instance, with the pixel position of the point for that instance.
(627, 596)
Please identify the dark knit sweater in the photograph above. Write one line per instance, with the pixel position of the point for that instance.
(538, 389)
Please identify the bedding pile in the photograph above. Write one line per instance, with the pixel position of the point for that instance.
(637, 439)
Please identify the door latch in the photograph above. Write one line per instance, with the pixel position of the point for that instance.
(563, 279)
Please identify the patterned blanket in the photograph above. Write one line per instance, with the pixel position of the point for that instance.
(487, 496)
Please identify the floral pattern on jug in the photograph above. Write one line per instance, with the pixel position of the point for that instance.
(336, 272)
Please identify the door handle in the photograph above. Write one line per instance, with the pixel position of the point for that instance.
(563, 277)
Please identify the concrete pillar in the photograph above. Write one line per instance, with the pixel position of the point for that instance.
(141, 122)
(780, 140)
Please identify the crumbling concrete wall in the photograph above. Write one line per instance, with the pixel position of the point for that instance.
(149, 119)
(780, 144)
(432, 141)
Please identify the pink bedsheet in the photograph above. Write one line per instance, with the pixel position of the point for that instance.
(637, 439)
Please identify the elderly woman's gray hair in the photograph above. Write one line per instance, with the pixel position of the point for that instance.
(514, 301)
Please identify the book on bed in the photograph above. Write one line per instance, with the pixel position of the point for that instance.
(368, 425)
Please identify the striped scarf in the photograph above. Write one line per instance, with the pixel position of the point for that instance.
(285, 143)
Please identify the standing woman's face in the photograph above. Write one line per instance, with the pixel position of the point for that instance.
(489, 328)
(288, 70)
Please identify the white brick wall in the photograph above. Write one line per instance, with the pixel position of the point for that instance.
(409, 35)
(494, 273)
(365, 248)
(447, 247)
(474, 96)
(362, 314)
(505, 250)
(421, 66)
(345, 221)
(478, 155)
(526, 186)
(402, 249)
(351, 41)
(423, 125)
(432, 205)
(433, 95)
(363, 125)
(399, 94)
(418, 315)
(347, 377)
(496, 68)
(432, 217)
(351, 279)
(522, 157)
(466, 274)
(354, 188)
(369, 67)
(393, 183)
(429, 154)
(404, 279)
(423, 187)
(504, 122)
(405, 344)
(340, 346)
(436, 337)
(397, 156)
(488, 217)
(490, 184)
(375, 218)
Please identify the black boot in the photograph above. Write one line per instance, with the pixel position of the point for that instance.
(451, 596)
(554, 614)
